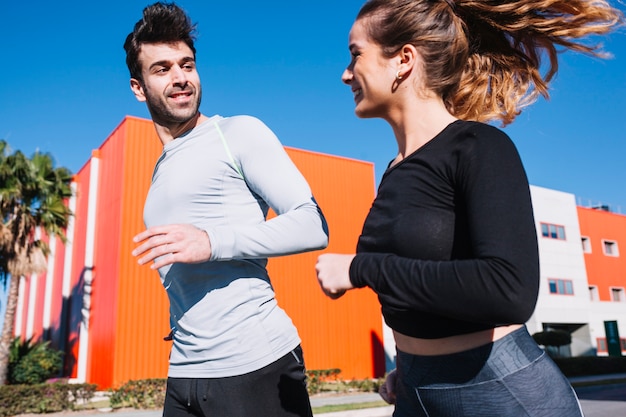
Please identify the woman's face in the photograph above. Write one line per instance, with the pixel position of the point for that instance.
(370, 74)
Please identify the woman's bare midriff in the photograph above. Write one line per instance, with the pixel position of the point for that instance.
(452, 344)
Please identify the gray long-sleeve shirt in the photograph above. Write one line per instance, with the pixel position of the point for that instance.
(221, 177)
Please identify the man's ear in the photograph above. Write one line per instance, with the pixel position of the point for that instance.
(137, 89)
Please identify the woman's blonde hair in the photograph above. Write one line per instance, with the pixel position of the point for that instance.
(484, 57)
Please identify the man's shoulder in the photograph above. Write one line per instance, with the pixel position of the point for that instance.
(242, 121)
(243, 129)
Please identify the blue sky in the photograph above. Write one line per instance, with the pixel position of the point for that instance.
(64, 88)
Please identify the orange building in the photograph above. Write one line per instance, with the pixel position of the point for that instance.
(601, 231)
(110, 315)
(601, 234)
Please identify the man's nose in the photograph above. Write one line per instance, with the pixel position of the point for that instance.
(179, 77)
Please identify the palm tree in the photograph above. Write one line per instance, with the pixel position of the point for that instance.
(32, 195)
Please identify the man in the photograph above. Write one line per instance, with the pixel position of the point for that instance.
(235, 352)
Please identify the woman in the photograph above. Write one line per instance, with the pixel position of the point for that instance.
(450, 244)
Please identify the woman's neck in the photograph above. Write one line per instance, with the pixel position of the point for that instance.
(417, 123)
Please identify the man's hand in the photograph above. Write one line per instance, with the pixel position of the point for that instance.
(333, 274)
(172, 243)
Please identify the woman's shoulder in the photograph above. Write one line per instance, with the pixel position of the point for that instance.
(478, 131)
(471, 136)
(470, 142)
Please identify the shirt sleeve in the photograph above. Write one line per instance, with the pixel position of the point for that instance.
(499, 283)
(299, 224)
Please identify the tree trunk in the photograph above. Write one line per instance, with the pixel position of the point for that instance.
(7, 329)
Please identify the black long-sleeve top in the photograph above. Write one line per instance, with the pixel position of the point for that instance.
(450, 244)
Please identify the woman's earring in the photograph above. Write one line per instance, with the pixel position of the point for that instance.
(398, 76)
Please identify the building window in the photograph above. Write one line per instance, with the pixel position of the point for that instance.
(617, 295)
(593, 293)
(610, 248)
(561, 286)
(603, 347)
(553, 231)
(586, 244)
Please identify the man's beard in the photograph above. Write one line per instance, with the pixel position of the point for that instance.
(165, 115)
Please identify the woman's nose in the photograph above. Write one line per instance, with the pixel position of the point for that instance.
(346, 77)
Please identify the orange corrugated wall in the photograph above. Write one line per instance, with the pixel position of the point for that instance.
(103, 335)
(344, 333)
(143, 318)
(73, 315)
(603, 271)
(130, 308)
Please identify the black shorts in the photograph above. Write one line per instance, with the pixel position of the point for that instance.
(277, 390)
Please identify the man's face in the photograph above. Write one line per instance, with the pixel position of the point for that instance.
(171, 85)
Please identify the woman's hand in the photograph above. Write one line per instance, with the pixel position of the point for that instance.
(333, 274)
(388, 389)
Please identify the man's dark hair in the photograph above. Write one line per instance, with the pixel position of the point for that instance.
(161, 23)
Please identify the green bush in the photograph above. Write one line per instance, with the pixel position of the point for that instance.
(142, 394)
(317, 378)
(32, 363)
(365, 385)
(43, 398)
(327, 380)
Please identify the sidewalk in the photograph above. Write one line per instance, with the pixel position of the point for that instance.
(356, 398)
(597, 378)
(367, 412)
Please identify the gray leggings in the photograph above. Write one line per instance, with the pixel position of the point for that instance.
(512, 377)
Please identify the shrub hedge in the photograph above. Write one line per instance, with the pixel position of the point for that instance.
(142, 394)
(33, 362)
(150, 393)
(43, 398)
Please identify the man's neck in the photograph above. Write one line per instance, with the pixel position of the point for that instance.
(169, 133)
